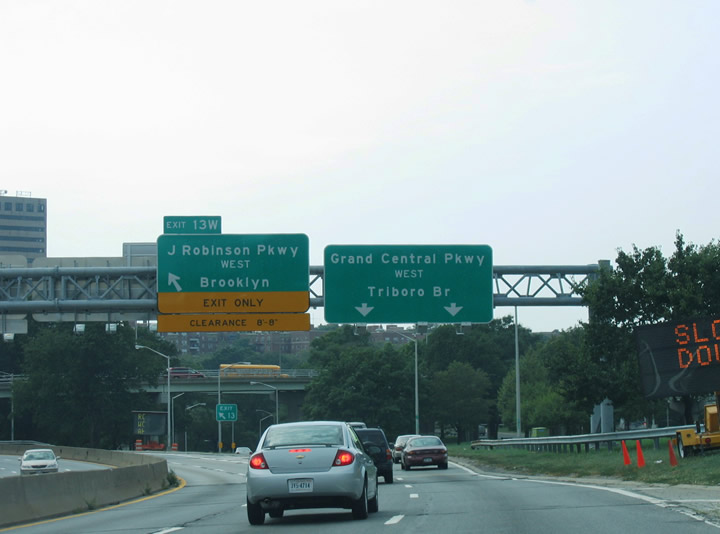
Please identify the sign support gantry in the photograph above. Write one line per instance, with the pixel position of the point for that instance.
(109, 294)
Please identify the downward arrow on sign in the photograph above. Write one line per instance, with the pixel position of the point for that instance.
(453, 309)
(364, 309)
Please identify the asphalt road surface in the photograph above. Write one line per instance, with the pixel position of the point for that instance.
(427, 500)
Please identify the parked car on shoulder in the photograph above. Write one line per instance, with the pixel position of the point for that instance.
(314, 464)
(422, 451)
(38, 461)
(399, 445)
(185, 372)
(377, 446)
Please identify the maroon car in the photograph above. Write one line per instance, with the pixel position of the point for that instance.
(185, 372)
(424, 450)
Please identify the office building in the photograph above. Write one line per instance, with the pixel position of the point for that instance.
(23, 226)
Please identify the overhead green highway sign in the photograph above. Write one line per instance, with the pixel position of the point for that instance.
(408, 284)
(233, 273)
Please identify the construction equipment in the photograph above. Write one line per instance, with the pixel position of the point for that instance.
(699, 438)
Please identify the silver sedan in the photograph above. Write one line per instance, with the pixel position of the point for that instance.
(319, 464)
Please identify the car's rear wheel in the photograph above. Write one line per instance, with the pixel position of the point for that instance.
(374, 503)
(443, 466)
(275, 514)
(388, 477)
(360, 507)
(255, 513)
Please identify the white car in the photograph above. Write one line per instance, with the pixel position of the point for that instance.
(38, 461)
(318, 464)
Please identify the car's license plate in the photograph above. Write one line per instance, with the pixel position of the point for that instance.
(300, 485)
(427, 460)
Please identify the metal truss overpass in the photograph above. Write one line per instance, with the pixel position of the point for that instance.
(114, 294)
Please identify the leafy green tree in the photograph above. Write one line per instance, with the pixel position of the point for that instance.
(645, 288)
(552, 378)
(360, 382)
(460, 399)
(489, 348)
(81, 389)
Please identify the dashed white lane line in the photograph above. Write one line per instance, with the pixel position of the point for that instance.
(394, 519)
(408, 485)
(414, 496)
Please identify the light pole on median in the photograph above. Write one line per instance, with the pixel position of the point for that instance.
(260, 424)
(277, 420)
(172, 425)
(138, 347)
(417, 399)
(187, 409)
(221, 368)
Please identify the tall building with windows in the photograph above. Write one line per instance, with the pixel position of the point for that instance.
(23, 225)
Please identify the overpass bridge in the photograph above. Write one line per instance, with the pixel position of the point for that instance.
(117, 292)
(292, 381)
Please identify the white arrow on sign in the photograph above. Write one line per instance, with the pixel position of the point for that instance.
(173, 281)
(364, 309)
(453, 309)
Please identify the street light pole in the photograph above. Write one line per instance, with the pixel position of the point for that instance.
(518, 419)
(138, 347)
(219, 444)
(277, 403)
(172, 425)
(260, 424)
(417, 396)
(187, 409)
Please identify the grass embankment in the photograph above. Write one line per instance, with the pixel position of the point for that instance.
(701, 469)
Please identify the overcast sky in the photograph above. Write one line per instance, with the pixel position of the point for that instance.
(557, 132)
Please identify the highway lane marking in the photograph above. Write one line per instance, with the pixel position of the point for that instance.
(168, 530)
(394, 519)
(414, 496)
(408, 485)
(475, 473)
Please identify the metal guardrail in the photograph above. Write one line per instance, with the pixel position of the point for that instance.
(580, 441)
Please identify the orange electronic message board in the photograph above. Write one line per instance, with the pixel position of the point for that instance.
(680, 357)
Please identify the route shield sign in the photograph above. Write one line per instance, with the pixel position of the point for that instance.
(233, 273)
(226, 412)
(408, 284)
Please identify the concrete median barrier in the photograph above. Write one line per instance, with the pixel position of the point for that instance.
(129, 475)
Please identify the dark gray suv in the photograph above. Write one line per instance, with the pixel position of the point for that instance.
(377, 446)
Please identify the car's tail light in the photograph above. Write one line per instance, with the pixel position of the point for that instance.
(343, 458)
(300, 450)
(258, 462)
(388, 454)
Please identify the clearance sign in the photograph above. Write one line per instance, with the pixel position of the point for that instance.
(680, 358)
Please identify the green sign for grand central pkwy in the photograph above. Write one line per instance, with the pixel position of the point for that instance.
(408, 284)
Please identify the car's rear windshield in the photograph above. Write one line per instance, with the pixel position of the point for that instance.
(304, 435)
(424, 442)
(371, 435)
